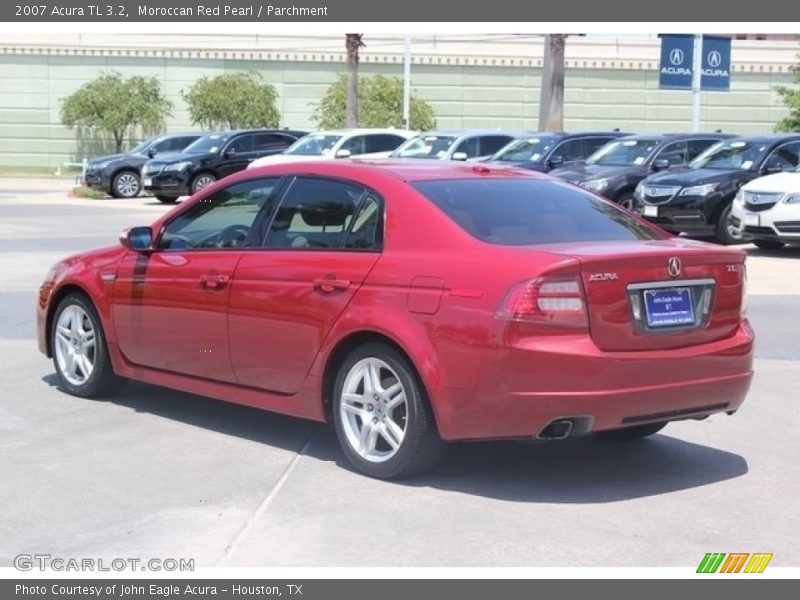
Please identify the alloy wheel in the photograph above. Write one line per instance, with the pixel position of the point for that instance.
(75, 345)
(127, 185)
(373, 410)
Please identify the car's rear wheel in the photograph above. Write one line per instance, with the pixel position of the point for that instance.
(80, 354)
(725, 232)
(203, 180)
(768, 244)
(382, 416)
(627, 434)
(166, 199)
(126, 184)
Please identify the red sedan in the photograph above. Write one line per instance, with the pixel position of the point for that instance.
(410, 304)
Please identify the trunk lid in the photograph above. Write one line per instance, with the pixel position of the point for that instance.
(636, 303)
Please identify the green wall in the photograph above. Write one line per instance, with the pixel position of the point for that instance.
(31, 86)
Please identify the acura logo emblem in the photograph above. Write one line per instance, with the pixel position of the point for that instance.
(676, 56)
(674, 266)
(714, 59)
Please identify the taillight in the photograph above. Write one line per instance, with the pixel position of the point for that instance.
(553, 300)
(743, 306)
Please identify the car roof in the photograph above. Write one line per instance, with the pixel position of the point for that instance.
(769, 138)
(405, 170)
(229, 132)
(365, 130)
(470, 132)
(678, 136)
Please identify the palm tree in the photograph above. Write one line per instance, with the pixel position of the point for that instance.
(551, 98)
(353, 43)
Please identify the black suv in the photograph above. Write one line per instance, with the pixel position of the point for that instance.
(697, 199)
(616, 169)
(545, 151)
(212, 157)
(120, 174)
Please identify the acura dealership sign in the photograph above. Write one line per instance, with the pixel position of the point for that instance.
(675, 70)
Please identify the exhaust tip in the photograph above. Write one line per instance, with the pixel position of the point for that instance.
(556, 430)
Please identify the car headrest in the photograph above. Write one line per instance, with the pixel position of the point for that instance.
(327, 214)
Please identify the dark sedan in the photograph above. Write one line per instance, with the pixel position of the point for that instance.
(698, 199)
(120, 174)
(545, 151)
(212, 157)
(616, 169)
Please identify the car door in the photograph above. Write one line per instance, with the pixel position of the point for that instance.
(170, 307)
(319, 248)
(236, 155)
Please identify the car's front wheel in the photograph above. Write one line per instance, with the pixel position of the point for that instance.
(726, 232)
(126, 184)
(381, 413)
(203, 180)
(80, 354)
(166, 199)
(627, 434)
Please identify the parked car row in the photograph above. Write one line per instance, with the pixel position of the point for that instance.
(700, 184)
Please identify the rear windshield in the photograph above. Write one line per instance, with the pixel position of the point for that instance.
(519, 212)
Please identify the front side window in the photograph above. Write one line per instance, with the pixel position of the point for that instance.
(355, 145)
(318, 213)
(314, 145)
(674, 153)
(520, 212)
(623, 153)
(570, 150)
(223, 220)
(468, 146)
(243, 143)
(784, 157)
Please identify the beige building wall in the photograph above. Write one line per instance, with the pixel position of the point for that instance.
(471, 81)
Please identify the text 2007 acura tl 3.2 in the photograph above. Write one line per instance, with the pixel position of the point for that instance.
(410, 304)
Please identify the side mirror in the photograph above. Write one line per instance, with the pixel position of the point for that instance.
(138, 239)
(556, 161)
(460, 156)
(660, 164)
(343, 153)
(229, 153)
(769, 169)
(151, 152)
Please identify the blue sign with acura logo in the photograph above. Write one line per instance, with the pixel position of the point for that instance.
(677, 52)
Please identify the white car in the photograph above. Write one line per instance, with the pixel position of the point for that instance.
(767, 210)
(341, 143)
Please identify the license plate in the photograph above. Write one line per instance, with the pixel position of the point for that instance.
(650, 211)
(148, 181)
(752, 220)
(669, 307)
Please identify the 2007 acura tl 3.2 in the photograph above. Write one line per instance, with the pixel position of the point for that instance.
(410, 303)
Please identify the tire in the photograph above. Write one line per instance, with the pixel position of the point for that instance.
(401, 439)
(126, 184)
(629, 434)
(768, 244)
(626, 201)
(166, 199)
(723, 232)
(80, 353)
(200, 181)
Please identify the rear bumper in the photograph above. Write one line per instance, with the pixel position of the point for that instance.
(606, 389)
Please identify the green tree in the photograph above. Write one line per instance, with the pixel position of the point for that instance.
(116, 106)
(380, 104)
(791, 98)
(233, 101)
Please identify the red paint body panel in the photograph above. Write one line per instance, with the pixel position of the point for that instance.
(435, 292)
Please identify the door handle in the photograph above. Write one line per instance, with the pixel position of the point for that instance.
(330, 284)
(213, 281)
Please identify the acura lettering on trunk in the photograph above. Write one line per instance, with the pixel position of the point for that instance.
(410, 304)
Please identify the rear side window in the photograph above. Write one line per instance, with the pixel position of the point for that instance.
(492, 143)
(318, 214)
(521, 212)
(383, 142)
